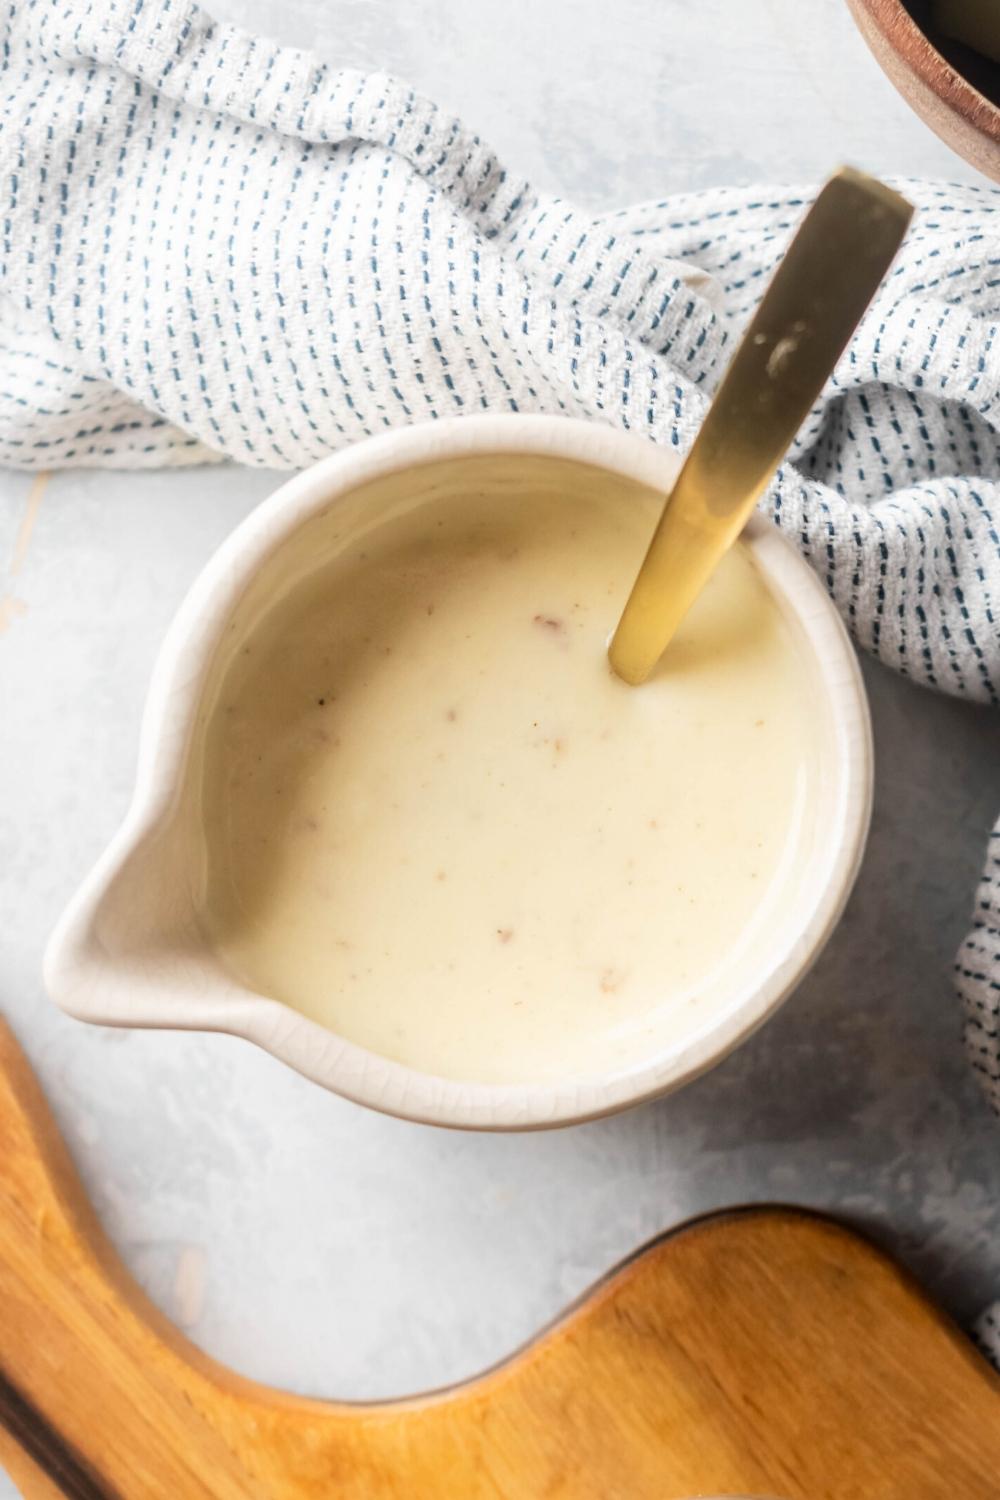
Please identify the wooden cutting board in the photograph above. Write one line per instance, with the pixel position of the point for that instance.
(765, 1352)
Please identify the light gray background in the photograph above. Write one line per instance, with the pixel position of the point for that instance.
(326, 1249)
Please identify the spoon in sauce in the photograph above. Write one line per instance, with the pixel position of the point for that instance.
(816, 299)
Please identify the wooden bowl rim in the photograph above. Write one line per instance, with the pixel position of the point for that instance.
(916, 50)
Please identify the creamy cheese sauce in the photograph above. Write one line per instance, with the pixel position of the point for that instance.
(437, 824)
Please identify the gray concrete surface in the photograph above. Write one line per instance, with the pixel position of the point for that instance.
(329, 1250)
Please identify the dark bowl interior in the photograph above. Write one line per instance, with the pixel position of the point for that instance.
(981, 72)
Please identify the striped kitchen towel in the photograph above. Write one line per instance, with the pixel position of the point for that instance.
(214, 247)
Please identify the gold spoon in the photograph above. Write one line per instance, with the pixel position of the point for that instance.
(818, 296)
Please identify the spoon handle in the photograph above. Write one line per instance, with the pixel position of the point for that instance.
(819, 294)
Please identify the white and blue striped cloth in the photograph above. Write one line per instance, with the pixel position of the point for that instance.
(215, 247)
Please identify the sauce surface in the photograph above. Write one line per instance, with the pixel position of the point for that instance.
(437, 823)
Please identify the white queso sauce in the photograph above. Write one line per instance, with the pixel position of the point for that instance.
(437, 823)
